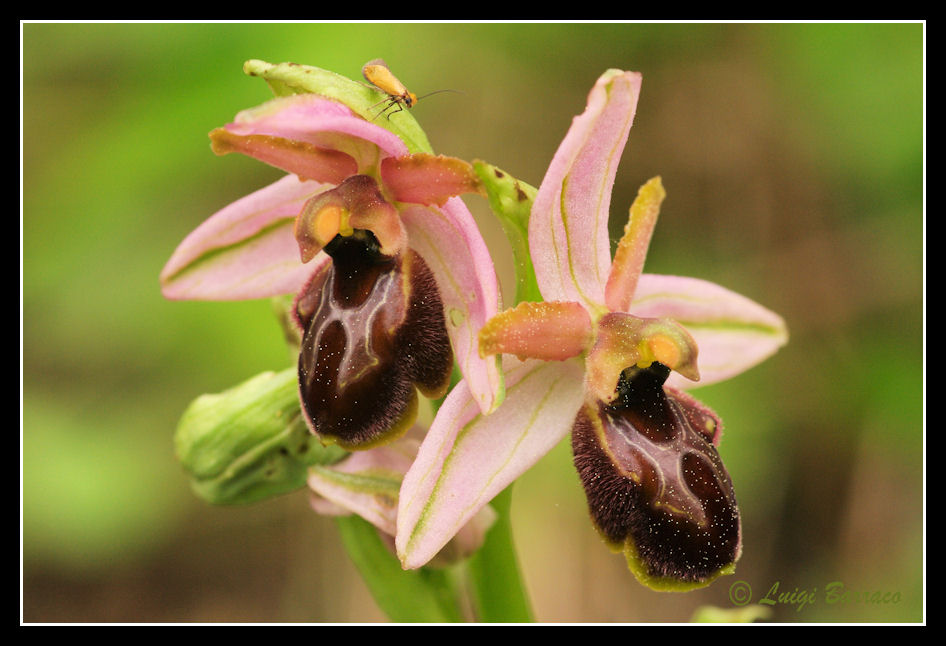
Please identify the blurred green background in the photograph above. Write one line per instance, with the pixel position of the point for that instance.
(793, 157)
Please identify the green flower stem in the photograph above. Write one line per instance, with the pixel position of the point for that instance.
(498, 590)
(425, 595)
(494, 585)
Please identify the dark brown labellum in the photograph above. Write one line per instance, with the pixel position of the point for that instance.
(374, 331)
(655, 483)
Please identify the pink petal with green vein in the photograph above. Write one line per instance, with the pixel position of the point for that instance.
(733, 332)
(450, 243)
(312, 119)
(297, 157)
(568, 229)
(245, 250)
(467, 457)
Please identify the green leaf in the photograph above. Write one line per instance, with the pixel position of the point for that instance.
(292, 78)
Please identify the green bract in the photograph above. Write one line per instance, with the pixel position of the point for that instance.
(292, 78)
(511, 201)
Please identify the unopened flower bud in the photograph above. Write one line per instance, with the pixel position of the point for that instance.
(249, 442)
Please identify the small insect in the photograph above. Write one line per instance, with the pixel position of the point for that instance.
(379, 75)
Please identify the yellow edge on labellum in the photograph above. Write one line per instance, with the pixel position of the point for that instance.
(663, 584)
(397, 430)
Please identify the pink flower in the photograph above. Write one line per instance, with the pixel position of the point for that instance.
(392, 275)
(594, 361)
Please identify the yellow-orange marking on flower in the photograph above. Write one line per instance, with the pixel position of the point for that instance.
(329, 222)
(663, 349)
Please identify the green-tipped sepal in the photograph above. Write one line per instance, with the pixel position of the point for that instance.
(292, 78)
(249, 442)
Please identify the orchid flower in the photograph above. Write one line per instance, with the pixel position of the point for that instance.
(594, 360)
(391, 274)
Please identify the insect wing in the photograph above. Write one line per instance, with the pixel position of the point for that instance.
(378, 74)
